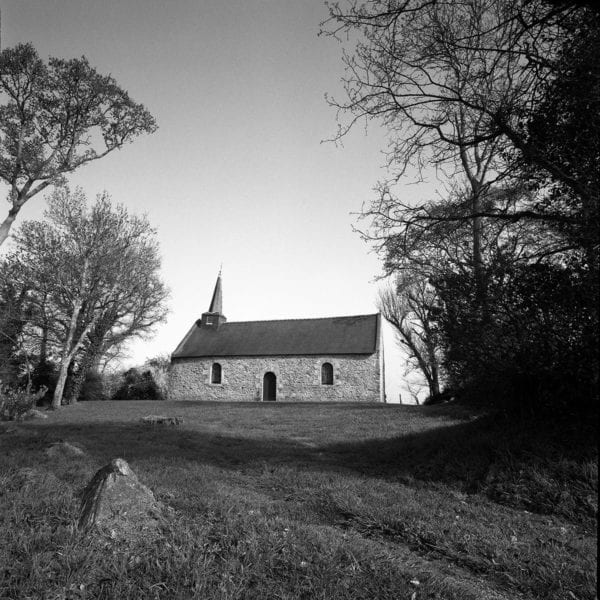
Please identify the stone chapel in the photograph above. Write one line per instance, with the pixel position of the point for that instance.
(308, 360)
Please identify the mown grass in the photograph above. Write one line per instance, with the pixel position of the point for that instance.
(306, 501)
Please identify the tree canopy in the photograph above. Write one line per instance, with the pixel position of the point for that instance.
(56, 117)
(501, 100)
(92, 275)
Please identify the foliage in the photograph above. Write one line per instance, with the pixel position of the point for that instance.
(138, 385)
(159, 367)
(14, 313)
(502, 98)
(108, 287)
(14, 403)
(45, 374)
(564, 130)
(146, 382)
(93, 388)
(55, 118)
(529, 352)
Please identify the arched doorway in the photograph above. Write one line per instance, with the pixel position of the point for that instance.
(269, 387)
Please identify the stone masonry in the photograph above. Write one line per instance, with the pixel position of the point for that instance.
(356, 378)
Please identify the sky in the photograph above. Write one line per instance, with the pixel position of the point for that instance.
(237, 174)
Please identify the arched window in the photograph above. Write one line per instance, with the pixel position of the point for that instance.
(326, 374)
(215, 373)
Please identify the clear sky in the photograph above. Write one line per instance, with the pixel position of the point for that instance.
(236, 173)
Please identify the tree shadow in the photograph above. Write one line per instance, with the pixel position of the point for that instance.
(457, 453)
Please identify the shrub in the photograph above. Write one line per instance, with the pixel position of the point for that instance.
(528, 350)
(14, 403)
(159, 367)
(138, 386)
(93, 388)
(44, 374)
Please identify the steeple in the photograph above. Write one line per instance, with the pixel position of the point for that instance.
(216, 304)
(214, 317)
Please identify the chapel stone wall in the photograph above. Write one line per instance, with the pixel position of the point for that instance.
(356, 378)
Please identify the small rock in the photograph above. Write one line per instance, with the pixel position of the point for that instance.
(20, 432)
(161, 420)
(115, 499)
(9, 429)
(33, 413)
(63, 449)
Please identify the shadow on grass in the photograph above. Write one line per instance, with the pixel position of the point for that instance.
(543, 467)
(458, 453)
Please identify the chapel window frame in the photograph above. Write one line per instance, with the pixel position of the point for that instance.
(327, 374)
(216, 374)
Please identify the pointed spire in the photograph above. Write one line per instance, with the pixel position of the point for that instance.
(216, 304)
(214, 317)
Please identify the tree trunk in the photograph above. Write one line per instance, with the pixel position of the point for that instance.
(43, 344)
(68, 348)
(66, 358)
(6, 225)
(434, 383)
(475, 170)
(91, 358)
(78, 379)
(45, 328)
(60, 384)
(478, 265)
(69, 384)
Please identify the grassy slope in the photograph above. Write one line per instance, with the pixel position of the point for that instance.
(304, 501)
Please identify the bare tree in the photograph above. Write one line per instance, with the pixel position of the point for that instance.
(421, 68)
(411, 307)
(454, 84)
(444, 77)
(501, 98)
(55, 118)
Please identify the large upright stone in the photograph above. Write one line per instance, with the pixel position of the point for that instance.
(116, 500)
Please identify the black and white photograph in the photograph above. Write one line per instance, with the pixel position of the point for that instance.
(299, 299)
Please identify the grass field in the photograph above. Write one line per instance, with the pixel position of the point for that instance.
(305, 501)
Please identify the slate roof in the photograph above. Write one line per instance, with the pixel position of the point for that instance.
(290, 337)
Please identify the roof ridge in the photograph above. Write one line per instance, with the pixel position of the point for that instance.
(300, 319)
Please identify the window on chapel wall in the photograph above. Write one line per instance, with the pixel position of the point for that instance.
(326, 374)
(215, 373)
